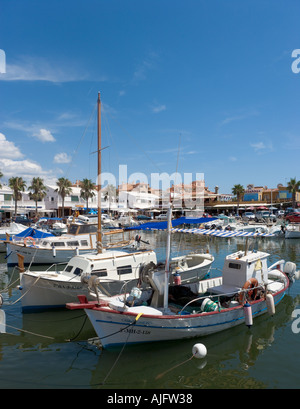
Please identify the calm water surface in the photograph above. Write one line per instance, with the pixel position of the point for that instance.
(55, 350)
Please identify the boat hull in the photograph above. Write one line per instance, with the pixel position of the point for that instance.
(34, 256)
(116, 328)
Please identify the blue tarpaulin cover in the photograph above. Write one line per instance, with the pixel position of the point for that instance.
(176, 222)
(36, 234)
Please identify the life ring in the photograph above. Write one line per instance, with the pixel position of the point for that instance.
(30, 239)
(253, 283)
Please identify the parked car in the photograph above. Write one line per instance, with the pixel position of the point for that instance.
(293, 217)
(162, 216)
(264, 215)
(143, 217)
(22, 220)
(280, 213)
(248, 216)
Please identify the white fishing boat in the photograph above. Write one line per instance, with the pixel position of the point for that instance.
(53, 289)
(48, 249)
(292, 231)
(246, 289)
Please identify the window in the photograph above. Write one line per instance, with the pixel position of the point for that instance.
(68, 268)
(7, 197)
(74, 199)
(58, 243)
(78, 271)
(124, 270)
(235, 266)
(100, 273)
(84, 243)
(73, 243)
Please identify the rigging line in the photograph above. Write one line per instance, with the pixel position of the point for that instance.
(81, 139)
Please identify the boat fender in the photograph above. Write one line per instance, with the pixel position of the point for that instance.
(177, 278)
(253, 283)
(31, 239)
(1, 300)
(53, 251)
(77, 251)
(199, 351)
(248, 315)
(270, 304)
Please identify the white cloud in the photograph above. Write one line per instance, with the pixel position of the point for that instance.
(39, 69)
(62, 158)
(159, 108)
(44, 135)
(8, 149)
(261, 147)
(148, 64)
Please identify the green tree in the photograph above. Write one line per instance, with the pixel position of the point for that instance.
(64, 189)
(293, 187)
(17, 184)
(87, 190)
(1, 175)
(38, 191)
(238, 191)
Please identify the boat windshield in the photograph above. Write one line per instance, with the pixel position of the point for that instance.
(82, 229)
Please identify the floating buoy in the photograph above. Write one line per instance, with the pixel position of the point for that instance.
(270, 304)
(248, 314)
(199, 351)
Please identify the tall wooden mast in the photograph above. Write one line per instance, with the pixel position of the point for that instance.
(99, 232)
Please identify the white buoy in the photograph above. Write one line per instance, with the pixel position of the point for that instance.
(270, 304)
(199, 351)
(248, 315)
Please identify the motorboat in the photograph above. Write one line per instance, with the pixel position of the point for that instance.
(12, 228)
(158, 311)
(292, 231)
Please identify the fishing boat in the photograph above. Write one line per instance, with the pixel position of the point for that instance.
(49, 248)
(247, 288)
(115, 268)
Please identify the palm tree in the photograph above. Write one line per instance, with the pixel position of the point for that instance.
(39, 191)
(1, 175)
(293, 187)
(17, 184)
(64, 189)
(87, 191)
(238, 190)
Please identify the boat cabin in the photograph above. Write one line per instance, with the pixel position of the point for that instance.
(239, 268)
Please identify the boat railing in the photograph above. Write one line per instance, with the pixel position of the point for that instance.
(55, 265)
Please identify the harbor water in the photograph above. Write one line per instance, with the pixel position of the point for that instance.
(59, 349)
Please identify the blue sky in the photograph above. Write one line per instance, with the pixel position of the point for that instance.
(210, 79)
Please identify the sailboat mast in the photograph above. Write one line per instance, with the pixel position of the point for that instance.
(99, 232)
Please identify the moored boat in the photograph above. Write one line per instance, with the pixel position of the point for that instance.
(246, 289)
